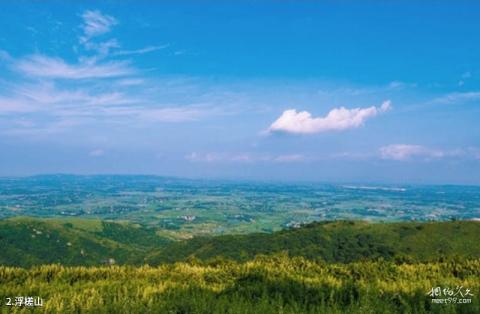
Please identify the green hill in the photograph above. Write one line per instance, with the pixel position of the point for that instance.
(31, 241)
(342, 241)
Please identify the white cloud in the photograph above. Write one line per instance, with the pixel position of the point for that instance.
(397, 85)
(95, 23)
(43, 66)
(337, 119)
(457, 97)
(207, 157)
(401, 152)
(65, 94)
(43, 94)
(224, 157)
(242, 157)
(139, 51)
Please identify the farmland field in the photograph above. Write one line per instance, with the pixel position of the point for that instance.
(181, 208)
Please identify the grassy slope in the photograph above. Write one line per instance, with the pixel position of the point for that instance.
(338, 242)
(276, 284)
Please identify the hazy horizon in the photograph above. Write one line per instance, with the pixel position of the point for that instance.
(254, 180)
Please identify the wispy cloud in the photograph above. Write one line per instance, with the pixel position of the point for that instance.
(205, 157)
(45, 95)
(396, 85)
(243, 157)
(176, 114)
(407, 152)
(14, 105)
(95, 23)
(173, 114)
(139, 51)
(31, 129)
(337, 119)
(457, 97)
(402, 152)
(47, 67)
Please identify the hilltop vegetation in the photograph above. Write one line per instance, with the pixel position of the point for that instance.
(328, 267)
(275, 284)
(29, 241)
(342, 241)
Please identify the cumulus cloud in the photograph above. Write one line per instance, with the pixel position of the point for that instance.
(401, 152)
(337, 119)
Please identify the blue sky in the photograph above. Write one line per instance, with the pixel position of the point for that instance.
(378, 92)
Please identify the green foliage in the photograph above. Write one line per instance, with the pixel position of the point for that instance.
(341, 241)
(274, 284)
(329, 267)
(28, 241)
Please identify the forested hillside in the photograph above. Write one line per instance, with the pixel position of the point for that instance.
(29, 241)
(83, 242)
(342, 241)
